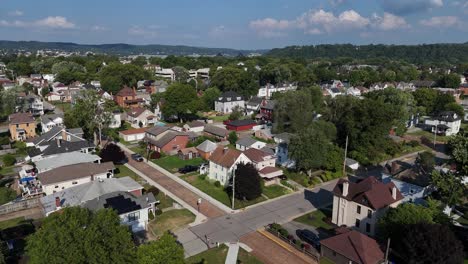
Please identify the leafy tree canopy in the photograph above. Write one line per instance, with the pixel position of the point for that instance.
(248, 182)
(180, 99)
(165, 250)
(114, 76)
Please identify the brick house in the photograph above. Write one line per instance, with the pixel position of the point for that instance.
(163, 139)
(127, 98)
(22, 126)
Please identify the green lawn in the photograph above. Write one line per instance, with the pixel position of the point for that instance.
(324, 260)
(218, 255)
(165, 200)
(429, 135)
(124, 171)
(173, 163)
(316, 219)
(274, 191)
(12, 222)
(64, 106)
(219, 118)
(218, 193)
(171, 220)
(7, 170)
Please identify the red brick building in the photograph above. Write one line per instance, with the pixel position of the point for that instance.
(127, 98)
(163, 139)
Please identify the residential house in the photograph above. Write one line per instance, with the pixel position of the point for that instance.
(50, 121)
(54, 133)
(351, 246)
(253, 105)
(22, 126)
(352, 164)
(446, 123)
(206, 148)
(203, 73)
(34, 105)
(265, 164)
(163, 139)
(57, 147)
(116, 119)
(195, 126)
(264, 134)
(127, 98)
(135, 134)
(334, 92)
(353, 92)
(188, 153)
(223, 163)
(54, 97)
(266, 109)
(360, 205)
(64, 159)
(268, 90)
(248, 142)
(122, 194)
(241, 125)
(64, 177)
(137, 116)
(423, 83)
(228, 101)
(282, 152)
(216, 131)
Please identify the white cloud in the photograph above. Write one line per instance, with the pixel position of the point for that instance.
(57, 22)
(440, 21)
(389, 22)
(15, 13)
(270, 23)
(98, 28)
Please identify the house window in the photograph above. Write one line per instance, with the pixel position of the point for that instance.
(133, 216)
(334, 253)
(358, 209)
(368, 226)
(369, 213)
(56, 186)
(358, 222)
(27, 124)
(75, 182)
(17, 125)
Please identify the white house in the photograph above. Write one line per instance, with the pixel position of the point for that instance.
(203, 73)
(53, 97)
(253, 105)
(35, 104)
(194, 126)
(139, 115)
(282, 150)
(268, 90)
(49, 77)
(446, 123)
(228, 101)
(360, 205)
(64, 177)
(135, 134)
(50, 121)
(223, 163)
(116, 120)
(248, 142)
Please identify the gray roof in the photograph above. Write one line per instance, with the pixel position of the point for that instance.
(229, 96)
(48, 106)
(74, 171)
(65, 159)
(121, 202)
(285, 136)
(75, 131)
(215, 130)
(50, 117)
(255, 101)
(78, 195)
(66, 146)
(156, 130)
(207, 146)
(270, 105)
(47, 136)
(247, 141)
(166, 138)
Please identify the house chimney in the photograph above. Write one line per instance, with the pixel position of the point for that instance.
(57, 203)
(345, 188)
(225, 149)
(394, 193)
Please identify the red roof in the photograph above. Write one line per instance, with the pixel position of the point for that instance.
(135, 112)
(369, 192)
(356, 247)
(21, 118)
(126, 91)
(134, 131)
(256, 155)
(225, 156)
(268, 170)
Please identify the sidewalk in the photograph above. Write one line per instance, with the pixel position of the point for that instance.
(187, 185)
(231, 257)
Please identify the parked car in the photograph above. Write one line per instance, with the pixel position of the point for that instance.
(309, 237)
(188, 168)
(137, 157)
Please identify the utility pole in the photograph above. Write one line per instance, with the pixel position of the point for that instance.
(435, 135)
(233, 187)
(387, 250)
(345, 156)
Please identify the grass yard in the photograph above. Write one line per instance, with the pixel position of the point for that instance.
(165, 200)
(316, 219)
(274, 191)
(12, 222)
(218, 193)
(64, 106)
(219, 118)
(124, 171)
(429, 135)
(218, 255)
(7, 170)
(172, 220)
(173, 163)
(300, 178)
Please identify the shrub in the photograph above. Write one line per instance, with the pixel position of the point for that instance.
(151, 216)
(283, 232)
(413, 143)
(155, 155)
(8, 160)
(6, 195)
(155, 191)
(275, 226)
(158, 212)
(298, 243)
(202, 177)
(217, 184)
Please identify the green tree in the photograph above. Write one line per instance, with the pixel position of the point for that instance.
(181, 74)
(237, 113)
(449, 186)
(162, 251)
(455, 107)
(248, 182)
(114, 76)
(139, 61)
(426, 161)
(426, 98)
(235, 79)
(7, 195)
(180, 99)
(209, 97)
(232, 137)
(8, 160)
(451, 80)
(77, 235)
(458, 147)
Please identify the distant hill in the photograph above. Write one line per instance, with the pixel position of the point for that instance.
(120, 49)
(452, 53)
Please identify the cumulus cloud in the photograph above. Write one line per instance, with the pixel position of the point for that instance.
(53, 22)
(405, 7)
(15, 13)
(320, 21)
(389, 22)
(440, 21)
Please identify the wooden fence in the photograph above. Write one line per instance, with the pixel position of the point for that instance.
(18, 206)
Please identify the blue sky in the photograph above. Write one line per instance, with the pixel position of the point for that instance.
(242, 24)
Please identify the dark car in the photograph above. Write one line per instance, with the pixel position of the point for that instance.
(309, 237)
(137, 157)
(188, 168)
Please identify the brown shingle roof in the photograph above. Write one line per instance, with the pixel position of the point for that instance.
(135, 112)
(215, 130)
(21, 118)
(186, 151)
(75, 171)
(256, 155)
(166, 138)
(126, 91)
(134, 131)
(369, 192)
(196, 123)
(225, 156)
(356, 247)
